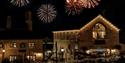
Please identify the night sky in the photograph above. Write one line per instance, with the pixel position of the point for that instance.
(112, 10)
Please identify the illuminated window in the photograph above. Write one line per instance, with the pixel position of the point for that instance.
(14, 45)
(31, 57)
(31, 45)
(99, 31)
(12, 58)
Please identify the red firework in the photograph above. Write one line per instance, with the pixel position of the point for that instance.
(73, 7)
(76, 6)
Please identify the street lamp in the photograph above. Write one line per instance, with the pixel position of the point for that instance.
(62, 50)
(3, 51)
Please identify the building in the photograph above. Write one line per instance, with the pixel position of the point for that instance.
(21, 49)
(98, 34)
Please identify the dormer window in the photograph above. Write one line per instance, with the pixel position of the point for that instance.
(99, 31)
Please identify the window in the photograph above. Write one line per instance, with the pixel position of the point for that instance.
(22, 45)
(99, 31)
(12, 58)
(31, 45)
(31, 57)
(76, 46)
(14, 45)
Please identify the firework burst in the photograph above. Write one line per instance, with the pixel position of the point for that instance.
(73, 6)
(89, 3)
(76, 6)
(20, 3)
(46, 13)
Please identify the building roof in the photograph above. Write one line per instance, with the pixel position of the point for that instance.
(95, 20)
(66, 31)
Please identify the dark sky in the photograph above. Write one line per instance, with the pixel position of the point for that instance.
(113, 10)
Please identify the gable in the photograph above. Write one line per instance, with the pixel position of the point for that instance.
(100, 19)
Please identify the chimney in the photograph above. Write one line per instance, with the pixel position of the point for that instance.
(8, 25)
(28, 17)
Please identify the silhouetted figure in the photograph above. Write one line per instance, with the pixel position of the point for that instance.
(6, 60)
(122, 60)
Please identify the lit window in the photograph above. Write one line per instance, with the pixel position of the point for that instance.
(94, 34)
(12, 58)
(31, 58)
(13, 45)
(99, 31)
(31, 45)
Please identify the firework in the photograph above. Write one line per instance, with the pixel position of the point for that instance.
(73, 6)
(76, 6)
(46, 13)
(89, 3)
(20, 3)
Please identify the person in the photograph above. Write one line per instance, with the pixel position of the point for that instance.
(6, 60)
(122, 59)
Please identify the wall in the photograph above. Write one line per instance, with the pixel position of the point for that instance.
(86, 39)
(9, 50)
